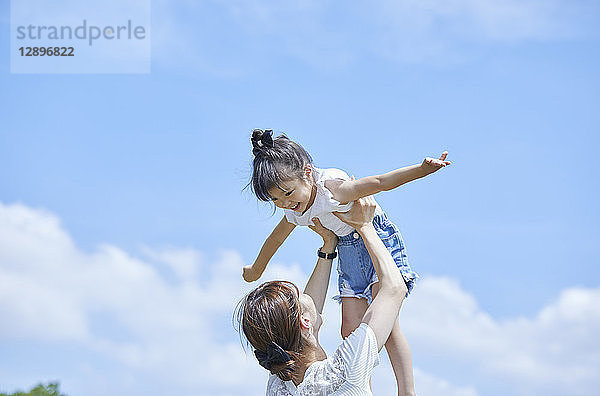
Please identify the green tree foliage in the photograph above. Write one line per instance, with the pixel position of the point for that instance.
(40, 390)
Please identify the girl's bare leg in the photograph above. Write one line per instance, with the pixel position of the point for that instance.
(399, 353)
(353, 310)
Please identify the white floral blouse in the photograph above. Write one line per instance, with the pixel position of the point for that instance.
(346, 372)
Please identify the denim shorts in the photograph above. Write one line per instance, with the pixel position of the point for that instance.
(355, 268)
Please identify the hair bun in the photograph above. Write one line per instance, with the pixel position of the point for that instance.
(261, 140)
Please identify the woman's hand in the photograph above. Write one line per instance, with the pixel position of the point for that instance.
(361, 214)
(329, 238)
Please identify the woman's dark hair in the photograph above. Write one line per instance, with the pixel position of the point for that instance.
(275, 161)
(269, 317)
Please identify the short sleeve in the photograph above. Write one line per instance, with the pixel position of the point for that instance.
(360, 354)
(289, 216)
(332, 203)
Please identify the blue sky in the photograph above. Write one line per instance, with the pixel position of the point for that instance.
(122, 210)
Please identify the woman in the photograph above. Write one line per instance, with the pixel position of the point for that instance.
(283, 325)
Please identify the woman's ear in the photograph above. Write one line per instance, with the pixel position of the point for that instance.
(305, 322)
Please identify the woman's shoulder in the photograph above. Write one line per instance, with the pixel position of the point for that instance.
(361, 336)
(348, 368)
(324, 377)
(276, 387)
(359, 353)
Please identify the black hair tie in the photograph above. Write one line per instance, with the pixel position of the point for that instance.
(262, 143)
(274, 355)
(267, 138)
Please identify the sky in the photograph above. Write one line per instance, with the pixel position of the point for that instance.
(124, 222)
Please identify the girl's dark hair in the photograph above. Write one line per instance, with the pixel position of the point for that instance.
(269, 317)
(275, 161)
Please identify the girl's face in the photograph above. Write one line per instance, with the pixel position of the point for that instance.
(296, 194)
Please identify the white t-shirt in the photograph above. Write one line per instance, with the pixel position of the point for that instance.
(324, 204)
(346, 372)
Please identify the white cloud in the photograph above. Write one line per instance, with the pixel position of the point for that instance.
(430, 385)
(176, 331)
(185, 263)
(556, 352)
(50, 291)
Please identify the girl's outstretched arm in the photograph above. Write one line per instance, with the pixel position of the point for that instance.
(351, 190)
(272, 243)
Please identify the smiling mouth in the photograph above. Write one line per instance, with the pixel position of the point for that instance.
(296, 206)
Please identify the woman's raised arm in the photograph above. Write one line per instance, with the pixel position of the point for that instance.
(383, 311)
(316, 287)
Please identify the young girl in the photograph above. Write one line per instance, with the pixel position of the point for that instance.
(284, 174)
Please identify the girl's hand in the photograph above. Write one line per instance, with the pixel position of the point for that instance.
(249, 274)
(432, 164)
(329, 238)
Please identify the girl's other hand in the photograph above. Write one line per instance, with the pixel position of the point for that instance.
(329, 238)
(433, 164)
(249, 274)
